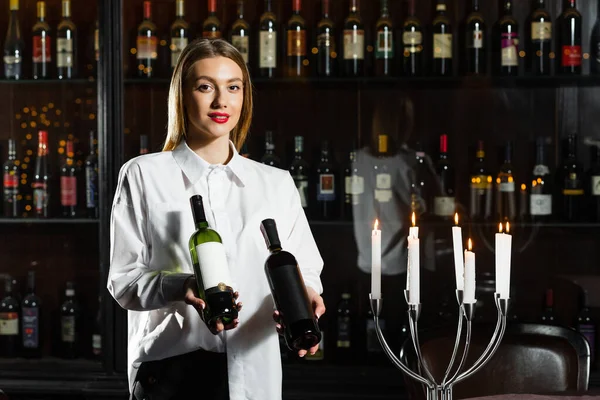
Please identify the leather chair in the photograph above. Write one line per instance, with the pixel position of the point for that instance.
(532, 358)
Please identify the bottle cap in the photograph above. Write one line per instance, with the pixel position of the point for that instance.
(269, 230)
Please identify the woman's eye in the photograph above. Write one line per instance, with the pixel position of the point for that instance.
(203, 88)
(234, 88)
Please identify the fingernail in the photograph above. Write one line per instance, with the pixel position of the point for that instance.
(302, 355)
(317, 315)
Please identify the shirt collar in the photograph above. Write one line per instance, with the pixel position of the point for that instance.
(195, 167)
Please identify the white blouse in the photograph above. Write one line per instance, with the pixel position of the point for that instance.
(151, 224)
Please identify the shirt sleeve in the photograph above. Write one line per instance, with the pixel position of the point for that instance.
(301, 242)
(131, 282)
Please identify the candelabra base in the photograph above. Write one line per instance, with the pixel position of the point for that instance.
(439, 393)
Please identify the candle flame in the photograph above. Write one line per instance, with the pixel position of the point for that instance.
(500, 227)
(413, 218)
(469, 244)
(456, 218)
(507, 227)
(376, 225)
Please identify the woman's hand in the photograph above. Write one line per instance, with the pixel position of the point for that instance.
(191, 298)
(318, 308)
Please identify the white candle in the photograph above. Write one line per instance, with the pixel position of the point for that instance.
(503, 259)
(507, 260)
(413, 231)
(459, 264)
(414, 295)
(469, 293)
(376, 262)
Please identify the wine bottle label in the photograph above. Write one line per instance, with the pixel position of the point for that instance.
(212, 264)
(384, 46)
(177, 46)
(325, 42)
(442, 45)
(354, 44)
(589, 331)
(40, 196)
(540, 204)
(571, 56)
(595, 185)
(507, 186)
(343, 332)
(444, 206)
(96, 344)
(41, 49)
(147, 47)
(383, 188)
(302, 186)
(212, 34)
(11, 183)
(64, 53)
(268, 49)
(67, 329)
(9, 323)
(242, 43)
(91, 185)
(476, 41)
(541, 31)
(412, 41)
(31, 327)
(296, 43)
(509, 42)
(541, 169)
(326, 190)
(12, 66)
(68, 191)
(572, 192)
(481, 183)
(355, 185)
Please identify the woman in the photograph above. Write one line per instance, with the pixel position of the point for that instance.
(171, 351)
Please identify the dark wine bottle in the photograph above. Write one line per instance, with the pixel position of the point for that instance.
(548, 317)
(270, 158)
(41, 178)
(587, 326)
(70, 314)
(507, 42)
(31, 318)
(301, 329)
(147, 44)
(300, 172)
(211, 269)
(540, 205)
(68, 184)
(593, 177)
(475, 46)
(11, 172)
(481, 187)
(66, 44)
(569, 52)
(268, 45)
(239, 35)
(91, 180)
(9, 321)
(506, 202)
(570, 183)
(180, 33)
(326, 46)
(354, 42)
(442, 41)
(540, 40)
(42, 44)
(326, 185)
(384, 42)
(444, 205)
(13, 45)
(412, 42)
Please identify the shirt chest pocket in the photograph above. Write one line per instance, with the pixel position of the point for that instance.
(170, 226)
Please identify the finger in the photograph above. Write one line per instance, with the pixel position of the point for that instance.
(279, 329)
(301, 353)
(239, 306)
(236, 295)
(276, 316)
(232, 325)
(319, 307)
(219, 325)
(313, 349)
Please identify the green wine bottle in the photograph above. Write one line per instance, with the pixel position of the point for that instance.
(211, 269)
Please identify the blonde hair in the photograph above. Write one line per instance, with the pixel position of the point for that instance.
(197, 50)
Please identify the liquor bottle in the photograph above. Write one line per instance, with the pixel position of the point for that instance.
(481, 187)
(31, 319)
(570, 183)
(42, 44)
(326, 46)
(523, 202)
(299, 172)
(97, 333)
(41, 178)
(240, 33)
(180, 32)
(587, 326)
(326, 203)
(10, 316)
(420, 184)
(384, 42)
(267, 49)
(569, 39)
(507, 43)
(68, 184)
(548, 316)
(475, 46)
(70, 313)
(270, 158)
(301, 330)
(593, 177)
(540, 204)
(595, 45)
(412, 43)
(211, 269)
(147, 44)
(144, 144)
(442, 41)
(540, 40)
(66, 44)
(13, 45)
(382, 178)
(354, 42)
(211, 27)
(344, 329)
(444, 205)
(11, 182)
(296, 42)
(506, 206)
(354, 186)
(91, 180)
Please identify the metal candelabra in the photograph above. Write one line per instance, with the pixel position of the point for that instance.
(443, 390)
